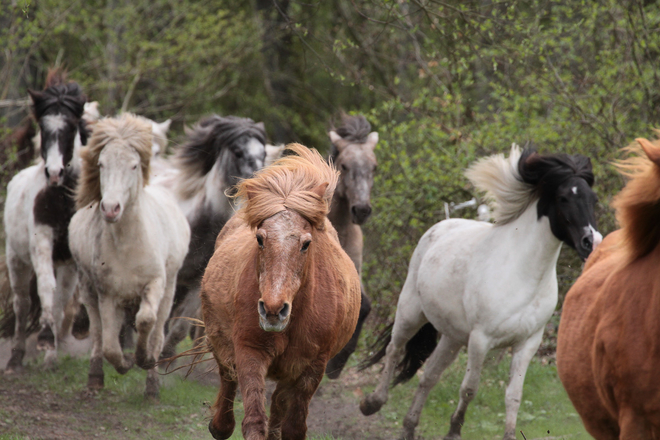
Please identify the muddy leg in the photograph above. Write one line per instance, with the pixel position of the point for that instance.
(478, 347)
(112, 317)
(152, 389)
(278, 408)
(223, 423)
(300, 393)
(67, 279)
(95, 376)
(442, 357)
(19, 279)
(337, 363)
(145, 321)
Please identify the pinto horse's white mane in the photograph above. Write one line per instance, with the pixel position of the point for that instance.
(505, 189)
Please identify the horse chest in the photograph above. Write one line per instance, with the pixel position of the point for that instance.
(54, 207)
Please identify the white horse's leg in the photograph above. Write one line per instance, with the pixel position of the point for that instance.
(145, 320)
(112, 318)
(478, 347)
(19, 280)
(41, 254)
(409, 319)
(522, 355)
(442, 357)
(91, 301)
(67, 278)
(156, 340)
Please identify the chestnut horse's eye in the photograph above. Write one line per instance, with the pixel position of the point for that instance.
(260, 241)
(305, 245)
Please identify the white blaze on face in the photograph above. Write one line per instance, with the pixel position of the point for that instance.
(256, 150)
(574, 189)
(52, 125)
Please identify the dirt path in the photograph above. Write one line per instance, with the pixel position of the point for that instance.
(40, 414)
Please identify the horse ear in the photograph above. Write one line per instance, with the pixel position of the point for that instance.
(320, 190)
(372, 140)
(261, 126)
(35, 95)
(165, 126)
(337, 140)
(652, 151)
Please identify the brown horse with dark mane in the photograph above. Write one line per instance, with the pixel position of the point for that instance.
(279, 297)
(609, 338)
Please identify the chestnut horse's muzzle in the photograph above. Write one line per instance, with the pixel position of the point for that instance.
(274, 321)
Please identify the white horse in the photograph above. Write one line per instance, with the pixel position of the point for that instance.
(129, 241)
(489, 285)
(38, 209)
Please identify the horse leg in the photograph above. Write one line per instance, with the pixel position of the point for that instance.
(112, 317)
(337, 363)
(634, 426)
(145, 320)
(66, 280)
(180, 326)
(156, 341)
(478, 347)
(442, 357)
(522, 355)
(41, 254)
(95, 376)
(222, 425)
(251, 368)
(278, 407)
(19, 279)
(409, 319)
(294, 426)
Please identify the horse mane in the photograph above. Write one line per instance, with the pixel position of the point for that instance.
(56, 76)
(352, 129)
(69, 96)
(512, 185)
(289, 183)
(205, 142)
(638, 204)
(127, 130)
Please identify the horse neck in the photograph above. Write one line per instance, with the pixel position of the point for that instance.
(340, 214)
(213, 195)
(530, 238)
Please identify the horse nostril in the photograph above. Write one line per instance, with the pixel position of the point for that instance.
(587, 242)
(284, 311)
(61, 172)
(102, 207)
(47, 173)
(262, 309)
(117, 208)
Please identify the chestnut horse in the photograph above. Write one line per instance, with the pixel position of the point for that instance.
(609, 339)
(279, 297)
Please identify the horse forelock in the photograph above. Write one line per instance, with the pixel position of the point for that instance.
(637, 205)
(289, 183)
(128, 131)
(60, 98)
(206, 142)
(56, 76)
(353, 129)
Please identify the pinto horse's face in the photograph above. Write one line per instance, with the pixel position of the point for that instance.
(121, 180)
(284, 241)
(243, 159)
(571, 214)
(357, 163)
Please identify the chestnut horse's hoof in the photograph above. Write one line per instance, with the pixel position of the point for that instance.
(220, 434)
(370, 405)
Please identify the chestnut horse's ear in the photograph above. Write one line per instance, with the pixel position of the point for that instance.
(652, 151)
(320, 190)
(251, 193)
(337, 140)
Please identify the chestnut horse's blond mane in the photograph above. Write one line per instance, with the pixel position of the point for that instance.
(127, 130)
(638, 203)
(289, 183)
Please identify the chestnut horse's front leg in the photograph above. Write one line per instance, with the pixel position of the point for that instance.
(298, 396)
(222, 425)
(251, 368)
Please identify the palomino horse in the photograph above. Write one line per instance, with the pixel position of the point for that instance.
(219, 152)
(353, 154)
(38, 209)
(607, 350)
(493, 285)
(279, 297)
(129, 241)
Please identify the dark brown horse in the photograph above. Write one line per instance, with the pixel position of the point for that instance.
(609, 338)
(279, 297)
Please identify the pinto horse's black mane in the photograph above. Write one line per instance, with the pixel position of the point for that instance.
(212, 135)
(353, 129)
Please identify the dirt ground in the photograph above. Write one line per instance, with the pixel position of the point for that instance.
(40, 414)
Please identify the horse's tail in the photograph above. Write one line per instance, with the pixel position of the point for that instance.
(418, 349)
(7, 316)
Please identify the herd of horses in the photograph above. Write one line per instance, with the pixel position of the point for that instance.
(265, 246)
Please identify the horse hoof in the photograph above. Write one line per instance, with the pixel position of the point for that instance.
(95, 382)
(15, 364)
(46, 339)
(129, 360)
(144, 362)
(453, 437)
(220, 434)
(369, 405)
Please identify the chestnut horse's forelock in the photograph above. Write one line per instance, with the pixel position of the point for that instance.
(638, 204)
(289, 183)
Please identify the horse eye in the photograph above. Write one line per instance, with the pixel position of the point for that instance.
(305, 245)
(238, 153)
(260, 241)
(135, 167)
(100, 165)
(563, 199)
(344, 167)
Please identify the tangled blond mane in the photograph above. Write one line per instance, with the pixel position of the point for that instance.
(289, 183)
(127, 130)
(638, 204)
(500, 179)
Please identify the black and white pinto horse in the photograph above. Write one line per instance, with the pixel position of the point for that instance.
(38, 209)
(218, 153)
(489, 286)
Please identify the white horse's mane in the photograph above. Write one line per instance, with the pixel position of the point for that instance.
(505, 189)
